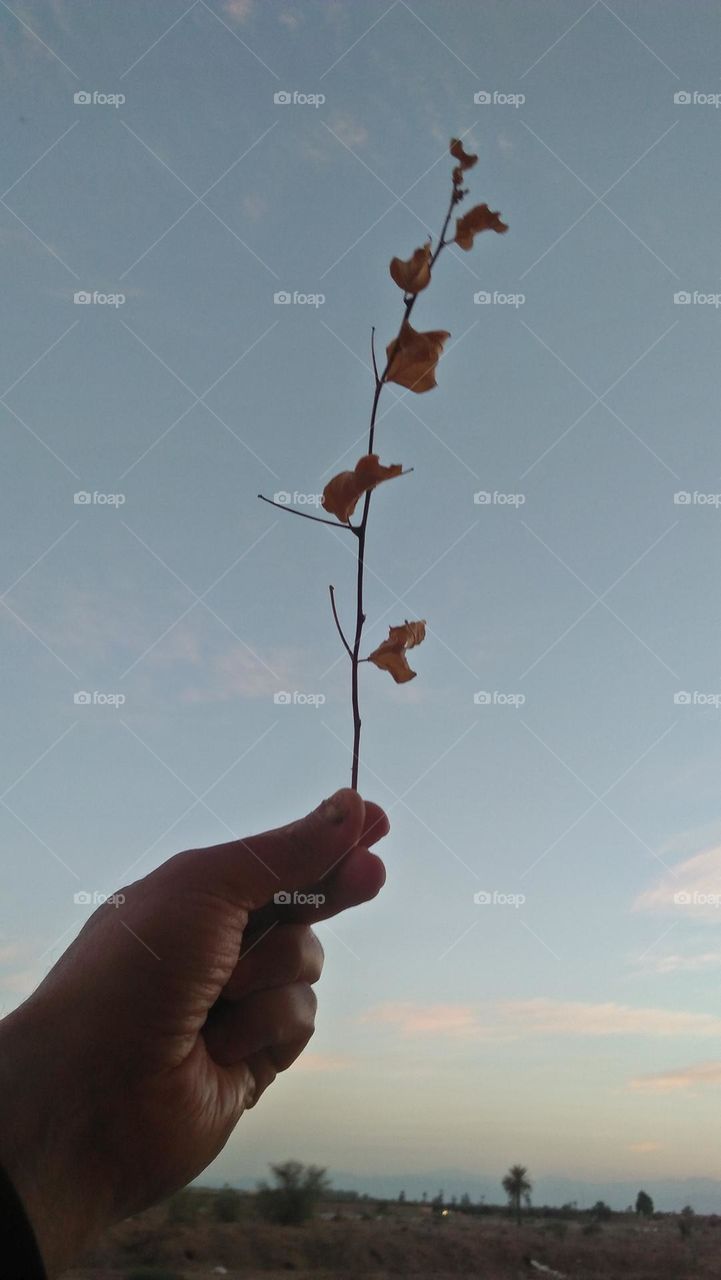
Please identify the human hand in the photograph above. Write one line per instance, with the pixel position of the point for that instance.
(125, 1072)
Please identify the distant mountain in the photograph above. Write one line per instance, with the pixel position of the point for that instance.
(669, 1194)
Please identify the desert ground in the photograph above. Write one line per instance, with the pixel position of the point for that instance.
(378, 1240)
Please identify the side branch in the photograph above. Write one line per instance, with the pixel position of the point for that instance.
(334, 524)
(341, 633)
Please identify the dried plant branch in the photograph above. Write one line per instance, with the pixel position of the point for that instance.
(411, 359)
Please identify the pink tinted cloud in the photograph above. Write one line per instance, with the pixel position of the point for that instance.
(525, 1019)
(691, 890)
(701, 1075)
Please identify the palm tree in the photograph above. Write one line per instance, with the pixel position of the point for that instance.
(517, 1185)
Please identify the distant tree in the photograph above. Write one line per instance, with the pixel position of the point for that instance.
(465, 1200)
(454, 1200)
(644, 1204)
(402, 1197)
(226, 1204)
(516, 1185)
(424, 1197)
(294, 1197)
(601, 1211)
(685, 1222)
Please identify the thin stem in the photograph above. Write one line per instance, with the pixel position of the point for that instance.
(373, 354)
(409, 301)
(335, 524)
(341, 633)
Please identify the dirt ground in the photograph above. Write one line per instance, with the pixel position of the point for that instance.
(149, 1247)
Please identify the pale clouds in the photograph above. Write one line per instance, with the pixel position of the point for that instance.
(691, 889)
(350, 131)
(542, 1017)
(435, 1019)
(238, 10)
(701, 963)
(681, 1079)
(322, 1062)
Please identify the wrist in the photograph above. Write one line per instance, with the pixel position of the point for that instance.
(45, 1139)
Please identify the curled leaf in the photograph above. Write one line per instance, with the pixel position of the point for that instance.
(415, 274)
(465, 160)
(342, 492)
(391, 654)
(412, 358)
(480, 218)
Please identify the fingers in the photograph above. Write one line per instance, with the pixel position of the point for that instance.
(249, 872)
(357, 878)
(283, 954)
(376, 824)
(277, 1023)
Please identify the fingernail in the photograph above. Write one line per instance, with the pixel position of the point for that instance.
(335, 808)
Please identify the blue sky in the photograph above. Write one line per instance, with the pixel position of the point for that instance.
(576, 1030)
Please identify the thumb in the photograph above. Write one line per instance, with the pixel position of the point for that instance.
(249, 872)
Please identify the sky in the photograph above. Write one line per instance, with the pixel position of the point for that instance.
(558, 755)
